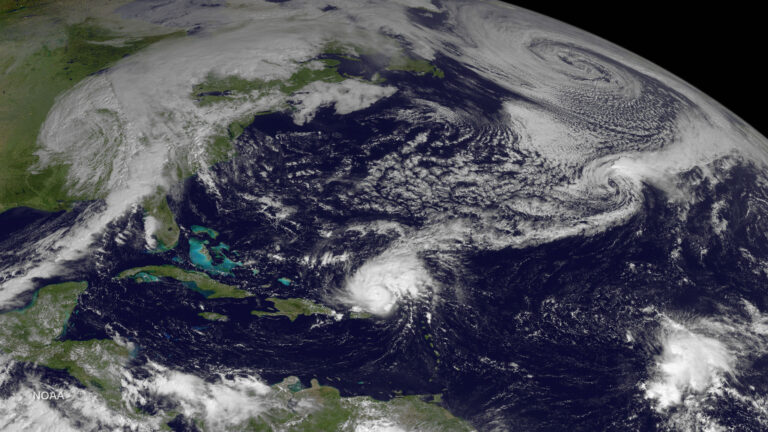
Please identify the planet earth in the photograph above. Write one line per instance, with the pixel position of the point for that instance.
(344, 215)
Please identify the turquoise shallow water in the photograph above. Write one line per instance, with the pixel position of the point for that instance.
(146, 277)
(198, 229)
(198, 253)
(201, 257)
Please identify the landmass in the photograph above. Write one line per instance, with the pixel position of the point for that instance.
(213, 316)
(293, 307)
(232, 87)
(416, 66)
(197, 281)
(32, 334)
(33, 72)
(166, 230)
(322, 408)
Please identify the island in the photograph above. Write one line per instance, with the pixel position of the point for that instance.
(293, 307)
(196, 281)
(213, 316)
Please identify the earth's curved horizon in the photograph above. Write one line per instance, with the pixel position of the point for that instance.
(360, 215)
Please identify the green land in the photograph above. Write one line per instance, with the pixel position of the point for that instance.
(217, 89)
(213, 316)
(32, 334)
(167, 231)
(203, 283)
(232, 88)
(293, 307)
(32, 73)
(331, 412)
(416, 66)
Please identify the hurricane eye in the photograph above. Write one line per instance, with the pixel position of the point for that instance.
(572, 61)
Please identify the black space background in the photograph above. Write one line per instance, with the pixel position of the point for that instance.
(719, 50)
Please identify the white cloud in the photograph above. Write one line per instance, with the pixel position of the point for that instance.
(383, 281)
(346, 96)
(690, 363)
